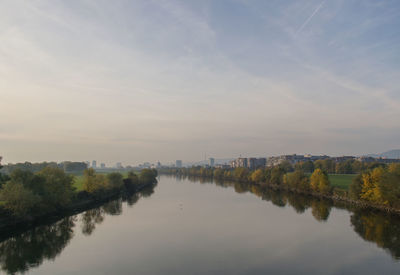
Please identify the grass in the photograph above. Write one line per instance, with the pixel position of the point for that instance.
(78, 183)
(341, 181)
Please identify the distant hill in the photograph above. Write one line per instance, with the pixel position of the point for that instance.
(392, 154)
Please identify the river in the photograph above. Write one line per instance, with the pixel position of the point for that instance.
(184, 226)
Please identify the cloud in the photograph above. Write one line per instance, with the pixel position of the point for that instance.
(163, 79)
(309, 18)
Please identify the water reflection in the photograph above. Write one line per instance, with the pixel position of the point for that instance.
(90, 219)
(380, 228)
(29, 249)
(384, 230)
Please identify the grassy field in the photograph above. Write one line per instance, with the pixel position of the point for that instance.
(78, 183)
(341, 181)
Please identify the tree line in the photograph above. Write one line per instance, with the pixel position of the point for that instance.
(279, 175)
(67, 166)
(25, 193)
(377, 183)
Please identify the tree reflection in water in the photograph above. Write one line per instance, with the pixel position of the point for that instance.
(90, 219)
(373, 226)
(382, 229)
(29, 249)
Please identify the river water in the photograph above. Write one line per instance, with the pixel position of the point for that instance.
(184, 226)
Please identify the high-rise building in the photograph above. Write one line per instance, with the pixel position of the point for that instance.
(103, 165)
(119, 165)
(211, 162)
(178, 163)
(94, 164)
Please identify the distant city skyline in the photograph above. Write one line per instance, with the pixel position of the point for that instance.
(147, 81)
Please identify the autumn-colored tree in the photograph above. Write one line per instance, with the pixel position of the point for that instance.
(373, 188)
(258, 176)
(319, 182)
(241, 174)
(93, 182)
(218, 173)
(382, 186)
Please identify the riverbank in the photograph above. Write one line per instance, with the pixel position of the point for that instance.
(82, 202)
(337, 195)
(334, 197)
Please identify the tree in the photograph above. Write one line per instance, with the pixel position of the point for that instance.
(381, 186)
(296, 179)
(305, 166)
(345, 167)
(133, 177)
(355, 188)
(258, 176)
(319, 182)
(286, 166)
(326, 165)
(114, 180)
(148, 176)
(241, 174)
(18, 199)
(93, 182)
(57, 187)
(218, 173)
(276, 177)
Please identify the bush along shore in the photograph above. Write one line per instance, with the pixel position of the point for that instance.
(377, 188)
(27, 197)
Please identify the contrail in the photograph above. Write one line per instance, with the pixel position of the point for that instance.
(309, 18)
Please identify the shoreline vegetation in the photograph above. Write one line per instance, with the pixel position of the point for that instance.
(377, 187)
(27, 198)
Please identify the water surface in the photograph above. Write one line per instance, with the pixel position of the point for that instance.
(194, 227)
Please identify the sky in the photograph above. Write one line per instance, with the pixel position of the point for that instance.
(155, 80)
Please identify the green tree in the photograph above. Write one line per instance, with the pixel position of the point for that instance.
(133, 177)
(296, 179)
(345, 167)
(115, 180)
(148, 176)
(326, 165)
(286, 166)
(57, 187)
(276, 176)
(18, 199)
(355, 187)
(305, 166)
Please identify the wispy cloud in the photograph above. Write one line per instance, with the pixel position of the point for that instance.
(309, 18)
(207, 74)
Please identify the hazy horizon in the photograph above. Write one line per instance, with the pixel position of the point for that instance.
(136, 81)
